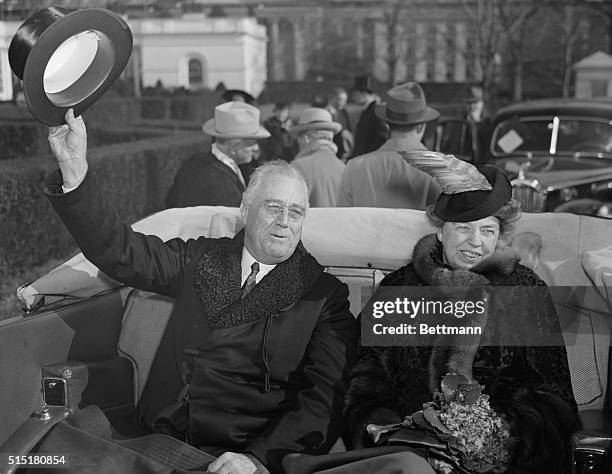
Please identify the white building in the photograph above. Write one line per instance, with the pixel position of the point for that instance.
(7, 31)
(200, 52)
(594, 76)
(190, 52)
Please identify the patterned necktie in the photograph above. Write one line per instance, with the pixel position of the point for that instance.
(249, 283)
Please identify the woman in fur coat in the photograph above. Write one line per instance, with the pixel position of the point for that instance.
(528, 385)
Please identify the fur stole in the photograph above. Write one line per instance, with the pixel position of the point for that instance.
(429, 267)
(217, 278)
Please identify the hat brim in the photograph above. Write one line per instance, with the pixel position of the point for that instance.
(115, 34)
(209, 128)
(427, 115)
(334, 127)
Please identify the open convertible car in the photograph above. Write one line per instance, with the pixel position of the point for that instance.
(85, 339)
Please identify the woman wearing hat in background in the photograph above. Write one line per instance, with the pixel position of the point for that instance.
(213, 178)
(529, 385)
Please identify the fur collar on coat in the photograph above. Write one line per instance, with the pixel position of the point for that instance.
(217, 278)
(428, 265)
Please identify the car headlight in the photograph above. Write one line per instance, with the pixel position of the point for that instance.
(605, 210)
(567, 194)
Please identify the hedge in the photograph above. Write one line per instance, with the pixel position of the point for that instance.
(21, 139)
(137, 176)
(28, 139)
(194, 108)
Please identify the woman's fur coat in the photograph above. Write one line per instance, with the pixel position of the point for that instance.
(529, 385)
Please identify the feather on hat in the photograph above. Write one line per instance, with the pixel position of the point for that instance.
(468, 194)
(452, 174)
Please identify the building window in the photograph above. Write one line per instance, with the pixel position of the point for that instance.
(599, 88)
(196, 76)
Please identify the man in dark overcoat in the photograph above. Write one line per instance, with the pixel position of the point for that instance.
(260, 343)
(214, 177)
(371, 131)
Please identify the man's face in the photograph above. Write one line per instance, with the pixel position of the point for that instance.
(282, 114)
(242, 151)
(339, 100)
(274, 218)
(466, 244)
(360, 98)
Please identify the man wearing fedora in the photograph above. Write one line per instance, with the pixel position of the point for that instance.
(371, 131)
(381, 178)
(254, 361)
(317, 159)
(214, 178)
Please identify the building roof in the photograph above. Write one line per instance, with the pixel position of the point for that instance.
(599, 59)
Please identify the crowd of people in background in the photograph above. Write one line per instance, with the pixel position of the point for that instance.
(347, 159)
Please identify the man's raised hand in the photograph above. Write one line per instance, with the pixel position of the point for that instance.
(69, 145)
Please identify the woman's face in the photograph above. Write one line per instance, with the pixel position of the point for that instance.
(466, 244)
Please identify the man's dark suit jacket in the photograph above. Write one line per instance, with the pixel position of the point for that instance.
(371, 132)
(265, 374)
(204, 181)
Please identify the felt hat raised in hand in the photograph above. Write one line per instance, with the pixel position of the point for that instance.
(68, 59)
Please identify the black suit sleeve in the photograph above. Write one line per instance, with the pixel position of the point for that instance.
(316, 422)
(138, 260)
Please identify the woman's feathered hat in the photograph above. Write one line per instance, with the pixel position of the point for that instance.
(468, 193)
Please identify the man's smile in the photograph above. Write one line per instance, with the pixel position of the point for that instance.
(279, 236)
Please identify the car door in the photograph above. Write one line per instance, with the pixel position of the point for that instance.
(77, 341)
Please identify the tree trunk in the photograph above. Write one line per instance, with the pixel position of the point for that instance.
(393, 47)
(569, 49)
(609, 27)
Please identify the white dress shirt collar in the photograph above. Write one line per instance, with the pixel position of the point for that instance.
(226, 160)
(247, 261)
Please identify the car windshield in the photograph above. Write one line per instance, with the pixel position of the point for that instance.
(555, 135)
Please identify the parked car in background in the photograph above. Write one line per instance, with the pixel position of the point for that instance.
(558, 153)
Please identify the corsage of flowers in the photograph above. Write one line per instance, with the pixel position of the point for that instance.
(459, 429)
